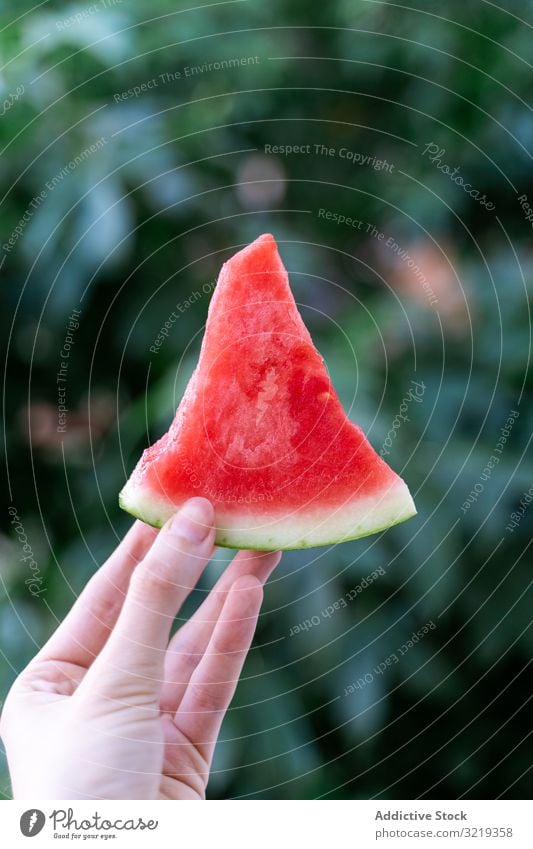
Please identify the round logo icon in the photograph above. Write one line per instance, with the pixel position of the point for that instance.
(32, 822)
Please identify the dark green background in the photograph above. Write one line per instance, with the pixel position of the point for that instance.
(143, 223)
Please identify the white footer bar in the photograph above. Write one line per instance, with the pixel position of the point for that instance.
(269, 824)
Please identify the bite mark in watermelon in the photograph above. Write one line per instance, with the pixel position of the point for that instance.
(260, 430)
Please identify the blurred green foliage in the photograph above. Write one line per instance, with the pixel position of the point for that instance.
(181, 179)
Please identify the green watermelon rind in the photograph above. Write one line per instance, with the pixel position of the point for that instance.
(392, 507)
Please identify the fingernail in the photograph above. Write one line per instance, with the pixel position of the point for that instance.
(194, 520)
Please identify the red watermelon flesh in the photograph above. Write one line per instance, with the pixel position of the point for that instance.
(260, 431)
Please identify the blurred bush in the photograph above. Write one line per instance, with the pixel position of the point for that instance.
(128, 202)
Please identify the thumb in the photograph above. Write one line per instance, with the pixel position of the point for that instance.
(157, 589)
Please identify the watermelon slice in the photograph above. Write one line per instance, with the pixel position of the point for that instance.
(260, 431)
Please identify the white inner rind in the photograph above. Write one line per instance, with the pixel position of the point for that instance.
(303, 528)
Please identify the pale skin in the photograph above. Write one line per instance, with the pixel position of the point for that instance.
(112, 707)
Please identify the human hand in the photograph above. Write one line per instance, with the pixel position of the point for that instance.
(109, 708)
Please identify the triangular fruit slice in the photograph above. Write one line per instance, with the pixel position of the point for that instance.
(260, 431)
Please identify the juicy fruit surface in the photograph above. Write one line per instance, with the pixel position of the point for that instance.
(260, 430)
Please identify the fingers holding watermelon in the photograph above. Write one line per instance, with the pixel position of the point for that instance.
(108, 709)
(158, 587)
